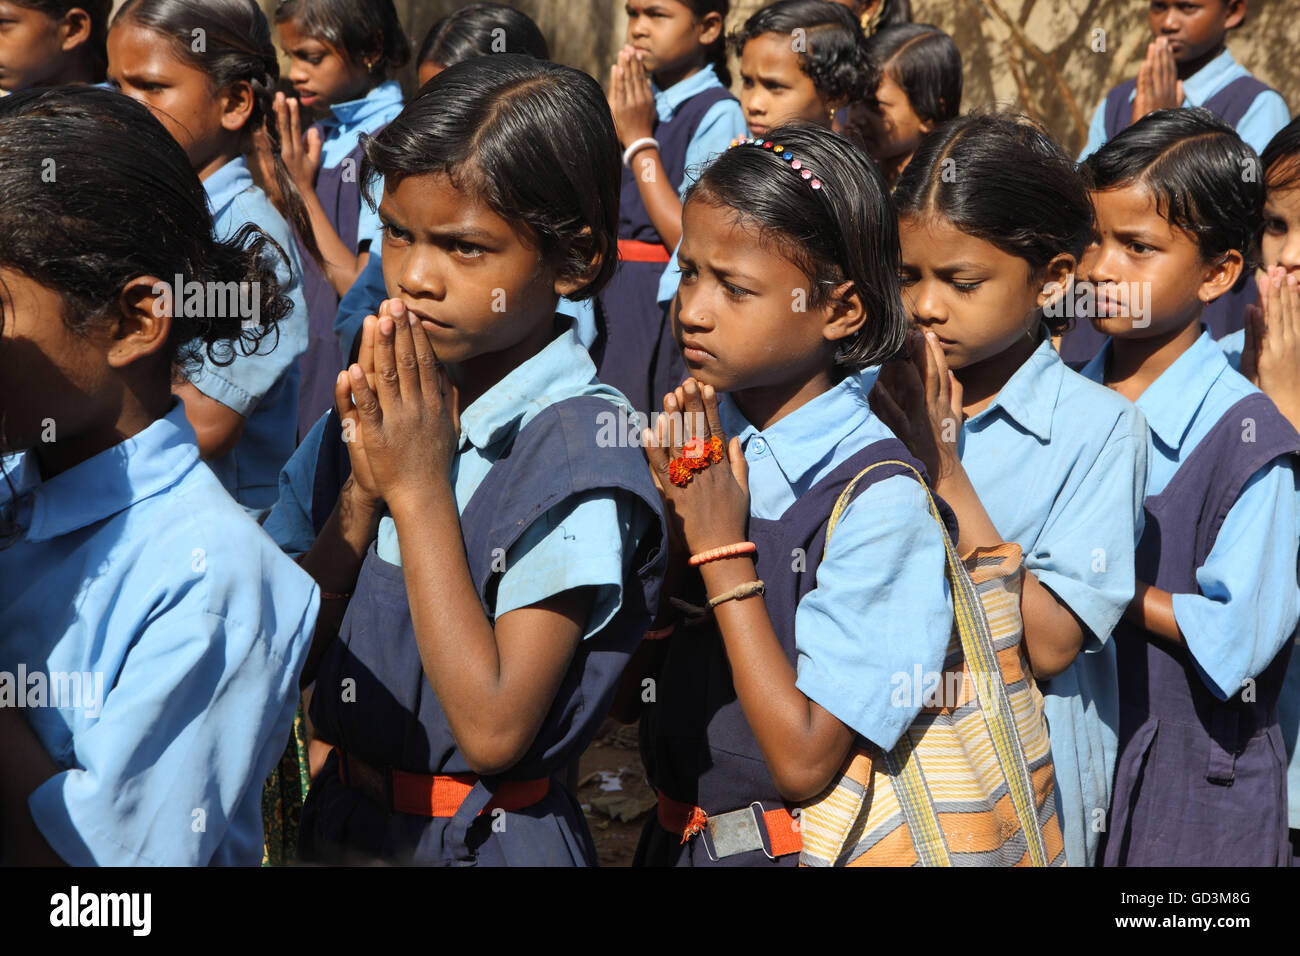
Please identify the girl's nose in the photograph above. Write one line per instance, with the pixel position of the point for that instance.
(925, 304)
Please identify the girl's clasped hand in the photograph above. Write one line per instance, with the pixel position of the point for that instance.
(398, 407)
(920, 400)
(710, 508)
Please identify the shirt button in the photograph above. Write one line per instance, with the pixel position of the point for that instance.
(758, 447)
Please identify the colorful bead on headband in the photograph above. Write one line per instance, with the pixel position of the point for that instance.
(782, 153)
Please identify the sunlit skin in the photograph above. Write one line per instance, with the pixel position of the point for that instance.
(321, 74)
(1280, 243)
(775, 90)
(1135, 243)
(977, 311)
(893, 130)
(437, 345)
(450, 259)
(735, 319)
(40, 50)
(740, 332)
(981, 303)
(209, 125)
(1194, 29)
(667, 37)
(427, 71)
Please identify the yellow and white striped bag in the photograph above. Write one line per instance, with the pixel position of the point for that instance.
(970, 783)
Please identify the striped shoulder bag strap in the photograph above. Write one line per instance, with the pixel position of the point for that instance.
(977, 647)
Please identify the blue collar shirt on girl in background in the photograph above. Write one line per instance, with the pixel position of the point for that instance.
(263, 386)
(1249, 601)
(339, 133)
(1265, 116)
(137, 573)
(1059, 464)
(881, 607)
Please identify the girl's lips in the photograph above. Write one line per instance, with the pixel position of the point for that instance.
(307, 99)
(695, 355)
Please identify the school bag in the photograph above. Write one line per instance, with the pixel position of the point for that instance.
(970, 782)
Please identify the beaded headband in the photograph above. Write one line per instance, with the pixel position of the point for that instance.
(781, 152)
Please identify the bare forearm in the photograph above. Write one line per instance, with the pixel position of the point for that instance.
(24, 766)
(456, 640)
(1153, 609)
(217, 429)
(342, 265)
(802, 744)
(1053, 635)
(661, 201)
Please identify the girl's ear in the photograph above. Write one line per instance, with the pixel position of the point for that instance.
(1235, 15)
(846, 314)
(710, 28)
(569, 284)
(1055, 278)
(236, 105)
(1221, 275)
(144, 323)
(76, 29)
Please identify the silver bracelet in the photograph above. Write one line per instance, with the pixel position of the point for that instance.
(637, 145)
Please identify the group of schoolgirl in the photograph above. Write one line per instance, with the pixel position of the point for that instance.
(478, 579)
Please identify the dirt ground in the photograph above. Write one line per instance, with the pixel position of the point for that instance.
(613, 793)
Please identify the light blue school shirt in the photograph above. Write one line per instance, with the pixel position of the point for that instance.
(1265, 116)
(262, 387)
(1249, 601)
(136, 567)
(722, 123)
(368, 291)
(881, 608)
(1059, 464)
(1288, 704)
(340, 131)
(582, 542)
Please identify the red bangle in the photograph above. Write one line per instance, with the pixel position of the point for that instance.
(659, 633)
(726, 551)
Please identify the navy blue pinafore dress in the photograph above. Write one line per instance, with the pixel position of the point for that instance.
(634, 349)
(1198, 781)
(696, 744)
(392, 717)
(339, 190)
(1227, 313)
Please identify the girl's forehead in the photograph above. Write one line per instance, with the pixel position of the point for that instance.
(770, 53)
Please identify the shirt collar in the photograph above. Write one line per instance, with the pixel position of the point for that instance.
(1209, 79)
(117, 478)
(1029, 396)
(807, 436)
(669, 101)
(226, 183)
(1171, 402)
(560, 370)
(357, 112)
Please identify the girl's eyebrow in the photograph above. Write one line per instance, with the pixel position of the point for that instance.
(466, 233)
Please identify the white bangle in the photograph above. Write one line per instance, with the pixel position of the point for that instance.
(636, 146)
